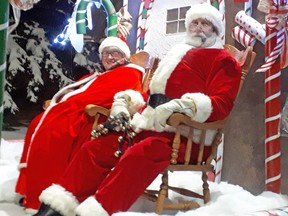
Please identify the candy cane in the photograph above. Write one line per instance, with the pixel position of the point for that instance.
(275, 41)
(248, 7)
(145, 9)
(251, 25)
(214, 3)
(222, 11)
(220, 149)
(4, 23)
(81, 16)
(23, 4)
(219, 160)
(125, 3)
(243, 37)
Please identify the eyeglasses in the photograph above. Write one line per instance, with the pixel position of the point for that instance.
(203, 23)
(194, 25)
(113, 53)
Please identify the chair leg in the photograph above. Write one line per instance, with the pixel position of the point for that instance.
(163, 193)
(206, 191)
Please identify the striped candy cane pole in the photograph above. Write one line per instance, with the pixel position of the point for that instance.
(215, 3)
(4, 23)
(81, 16)
(220, 149)
(219, 161)
(222, 11)
(275, 41)
(125, 4)
(110, 11)
(144, 13)
(248, 7)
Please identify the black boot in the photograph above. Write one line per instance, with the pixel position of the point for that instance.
(46, 210)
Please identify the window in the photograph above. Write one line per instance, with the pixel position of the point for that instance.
(176, 20)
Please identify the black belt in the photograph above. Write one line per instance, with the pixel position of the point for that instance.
(157, 99)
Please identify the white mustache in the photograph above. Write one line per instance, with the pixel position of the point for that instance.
(199, 34)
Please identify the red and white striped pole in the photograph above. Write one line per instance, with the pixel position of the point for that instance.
(275, 42)
(272, 118)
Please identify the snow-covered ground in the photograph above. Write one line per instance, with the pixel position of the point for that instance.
(226, 199)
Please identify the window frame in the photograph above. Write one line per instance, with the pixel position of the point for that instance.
(178, 21)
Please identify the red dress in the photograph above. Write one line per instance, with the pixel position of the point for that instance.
(56, 135)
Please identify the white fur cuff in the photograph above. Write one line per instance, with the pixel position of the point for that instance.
(91, 207)
(136, 100)
(203, 105)
(59, 199)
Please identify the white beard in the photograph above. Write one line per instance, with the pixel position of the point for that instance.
(200, 39)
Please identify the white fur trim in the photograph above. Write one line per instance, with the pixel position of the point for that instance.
(62, 92)
(168, 64)
(166, 67)
(205, 11)
(22, 165)
(203, 106)
(138, 67)
(145, 120)
(90, 207)
(59, 199)
(136, 101)
(30, 211)
(114, 42)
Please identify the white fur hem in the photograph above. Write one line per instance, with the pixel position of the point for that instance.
(59, 199)
(30, 211)
(22, 165)
(91, 207)
(203, 106)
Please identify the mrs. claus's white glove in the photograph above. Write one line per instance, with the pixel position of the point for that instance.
(128, 102)
(163, 111)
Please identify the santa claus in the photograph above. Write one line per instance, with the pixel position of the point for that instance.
(198, 78)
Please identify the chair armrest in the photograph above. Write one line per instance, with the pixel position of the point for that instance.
(46, 104)
(92, 110)
(179, 118)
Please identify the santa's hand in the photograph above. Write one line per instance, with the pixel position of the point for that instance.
(164, 111)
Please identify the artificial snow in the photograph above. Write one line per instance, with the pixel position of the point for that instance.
(226, 199)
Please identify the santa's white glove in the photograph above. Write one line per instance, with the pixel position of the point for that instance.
(164, 111)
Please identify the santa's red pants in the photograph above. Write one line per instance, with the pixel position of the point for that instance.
(88, 173)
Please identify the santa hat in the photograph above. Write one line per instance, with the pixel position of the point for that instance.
(114, 42)
(205, 11)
